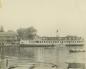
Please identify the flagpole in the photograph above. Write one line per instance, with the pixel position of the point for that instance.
(57, 33)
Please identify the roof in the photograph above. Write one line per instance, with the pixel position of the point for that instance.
(62, 38)
(8, 33)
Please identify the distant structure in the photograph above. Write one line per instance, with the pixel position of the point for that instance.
(1, 29)
(57, 33)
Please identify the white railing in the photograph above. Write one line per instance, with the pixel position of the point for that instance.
(31, 42)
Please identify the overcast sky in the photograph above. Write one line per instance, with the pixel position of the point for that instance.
(68, 16)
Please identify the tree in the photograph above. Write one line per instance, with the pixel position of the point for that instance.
(21, 32)
(27, 33)
(30, 32)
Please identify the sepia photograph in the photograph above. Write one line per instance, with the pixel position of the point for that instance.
(42, 34)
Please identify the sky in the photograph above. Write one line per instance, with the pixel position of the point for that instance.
(47, 16)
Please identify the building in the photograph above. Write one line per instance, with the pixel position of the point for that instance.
(8, 39)
(65, 52)
(8, 43)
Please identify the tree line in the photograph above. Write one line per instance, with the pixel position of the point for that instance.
(23, 33)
